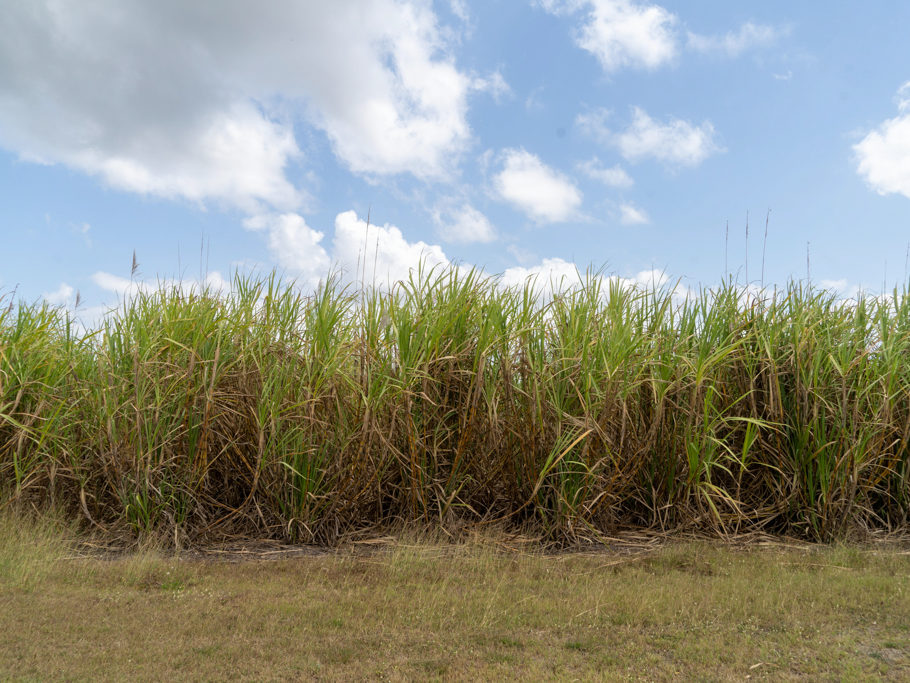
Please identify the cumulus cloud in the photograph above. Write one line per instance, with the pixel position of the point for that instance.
(373, 254)
(460, 9)
(622, 33)
(127, 287)
(61, 296)
(543, 194)
(362, 252)
(174, 99)
(594, 124)
(632, 215)
(842, 288)
(463, 224)
(616, 176)
(732, 44)
(554, 275)
(293, 244)
(379, 255)
(521, 254)
(495, 84)
(119, 285)
(903, 97)
(238, 157)
(551, 273)
(883, 155)
(634, 34)
(676, 142)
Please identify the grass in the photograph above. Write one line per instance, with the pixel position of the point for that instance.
(455, 612)
(187, 415)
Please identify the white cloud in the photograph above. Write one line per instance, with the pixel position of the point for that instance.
(460, 9)
(173, 99)
(883, 155)
(554, 275)
(842, 288)
(750, 35)
(237, 157)
(294, 245)
(521, 254)
(534, 101)
(119, 285)
(463, 224)
(632, 33)
(675, 142)
(622, 33)
(543, 194)
(903, 97)
(61, 296)
(594, 124)
(495, 84)
(615, 176)
(379, 255)
(836, 285)
(631, 215)
(127, 287)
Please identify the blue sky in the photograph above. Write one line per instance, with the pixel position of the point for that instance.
(522, 136)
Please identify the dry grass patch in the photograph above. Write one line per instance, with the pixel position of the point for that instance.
(461, 613)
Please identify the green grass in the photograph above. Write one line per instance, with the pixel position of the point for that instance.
(456, 612)
(450, 400)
